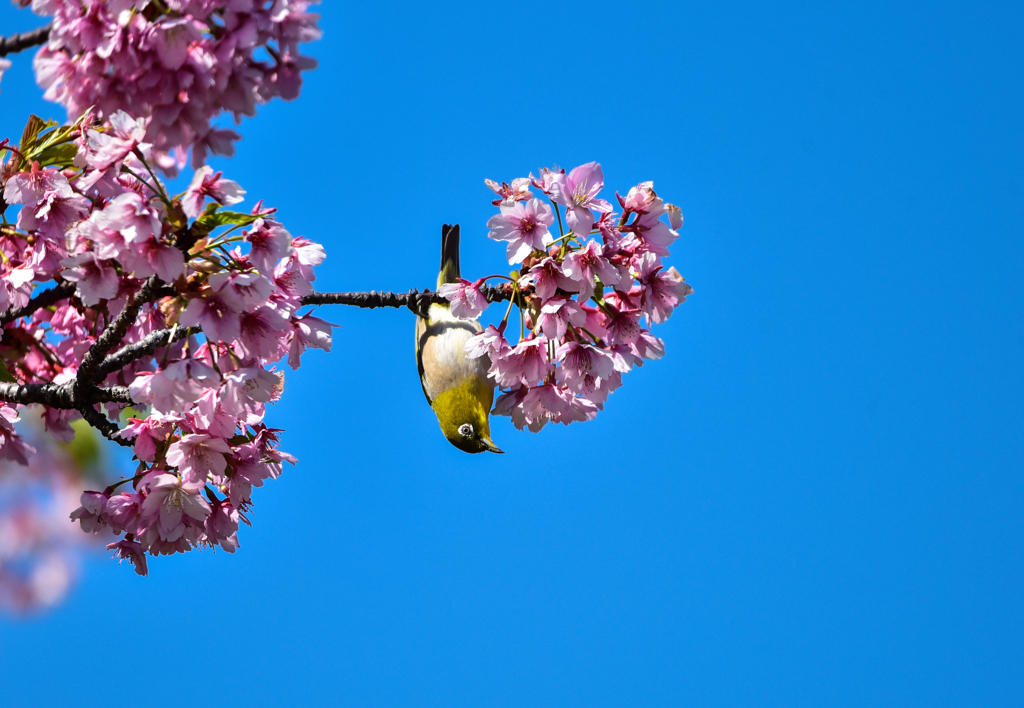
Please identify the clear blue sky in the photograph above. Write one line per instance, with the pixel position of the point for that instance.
(815, 499)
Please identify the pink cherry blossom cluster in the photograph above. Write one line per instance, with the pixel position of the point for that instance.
(150, 302)
(179, 62)
(581, 299)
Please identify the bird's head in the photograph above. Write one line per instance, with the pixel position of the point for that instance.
(462, 413)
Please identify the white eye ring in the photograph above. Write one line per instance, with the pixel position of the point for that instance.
(466, 430)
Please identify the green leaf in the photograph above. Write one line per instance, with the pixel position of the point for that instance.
(47, 144)
(33, 128)
(5, 375)
(57, 155)
(210, 220)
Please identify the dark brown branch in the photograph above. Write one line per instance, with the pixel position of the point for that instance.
(99, 421)
(18, 42)
(114, 333)
(60, 396)
(418, 302)
(83, 389)
(63, 291)
(142, 348)
(46, 298)
(112, 394)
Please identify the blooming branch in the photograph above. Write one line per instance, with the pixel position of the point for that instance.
(164, 321)
(416, 301)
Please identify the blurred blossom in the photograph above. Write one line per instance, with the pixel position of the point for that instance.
(40, 550)
(5, 64)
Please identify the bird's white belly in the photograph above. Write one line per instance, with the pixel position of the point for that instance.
(444, 352)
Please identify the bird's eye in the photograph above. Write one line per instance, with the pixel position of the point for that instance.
(466, 430)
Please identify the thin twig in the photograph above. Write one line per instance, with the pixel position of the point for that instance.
(418, 302)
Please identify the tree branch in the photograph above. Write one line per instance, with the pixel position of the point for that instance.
(60, 396)
(142, 348)
(99, 421)
(82, 394)
(112, 394)
(418, 302)
(113, 334)
(49, 394)
(61, 291)
(18, 42)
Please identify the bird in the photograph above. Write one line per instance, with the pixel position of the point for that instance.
(456, 386)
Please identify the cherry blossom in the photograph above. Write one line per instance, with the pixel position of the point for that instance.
(207, 183)
(467, 302)
(584, 298)
(556, 316)
(527, 363)
(491, 343)
(577, 192)
(524, 226)
(182, 63)
(121, 260)
(518, 191)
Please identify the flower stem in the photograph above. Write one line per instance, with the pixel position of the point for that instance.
(590, 334)
(505, 277)
(139, 177)
(114, 486)
(522, 324)
(561, 231)
(508, 310)
(218, 244)
(162, 194)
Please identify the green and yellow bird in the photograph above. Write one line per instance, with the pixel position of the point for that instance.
(456, 387)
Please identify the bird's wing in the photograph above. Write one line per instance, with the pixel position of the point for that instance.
(440, 353)
(421, 329)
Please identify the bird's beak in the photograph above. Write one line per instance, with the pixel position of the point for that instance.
(491, 447)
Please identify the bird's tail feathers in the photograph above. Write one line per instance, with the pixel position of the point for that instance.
(449, 255)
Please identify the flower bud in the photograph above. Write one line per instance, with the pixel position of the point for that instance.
(640, 197)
